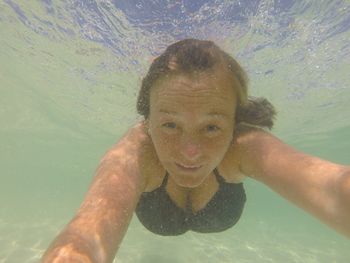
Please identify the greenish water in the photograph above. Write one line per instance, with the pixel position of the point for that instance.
(66, 100)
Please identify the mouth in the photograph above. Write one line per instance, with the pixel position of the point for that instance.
(188, 168)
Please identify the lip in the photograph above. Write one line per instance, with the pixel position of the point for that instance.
(188, 168)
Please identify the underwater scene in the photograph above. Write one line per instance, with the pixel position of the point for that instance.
(70, 72)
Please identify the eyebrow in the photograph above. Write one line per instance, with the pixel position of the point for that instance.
(213, 114)
(219, 115)
(168, 112)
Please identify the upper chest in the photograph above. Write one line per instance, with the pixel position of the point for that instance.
(197, 198)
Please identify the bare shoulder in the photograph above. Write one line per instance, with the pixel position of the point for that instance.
(120, 166)
(263, 156)
(229, 167)
(249, 148)
(260, 153)
(137, 151)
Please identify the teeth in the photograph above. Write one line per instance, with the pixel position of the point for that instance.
(190, 167)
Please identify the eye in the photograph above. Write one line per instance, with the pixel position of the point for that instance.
(170, 125)
(212, 128)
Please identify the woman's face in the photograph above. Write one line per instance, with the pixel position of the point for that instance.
(191, 123)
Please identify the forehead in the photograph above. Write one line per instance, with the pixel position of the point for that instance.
(213, 89)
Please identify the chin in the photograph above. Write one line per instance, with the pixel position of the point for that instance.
(188, 181)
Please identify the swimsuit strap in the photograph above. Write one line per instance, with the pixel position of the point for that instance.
(165, 180)
(219, 178)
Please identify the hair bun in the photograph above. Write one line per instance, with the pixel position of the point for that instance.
(257, 112)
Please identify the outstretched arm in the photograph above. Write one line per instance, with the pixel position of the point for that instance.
(98, 228)
(318, 186)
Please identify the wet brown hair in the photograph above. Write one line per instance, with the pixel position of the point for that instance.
(192, 55)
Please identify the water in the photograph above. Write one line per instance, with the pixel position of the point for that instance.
(69, 75)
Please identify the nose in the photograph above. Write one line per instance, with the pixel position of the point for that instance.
(190, 149)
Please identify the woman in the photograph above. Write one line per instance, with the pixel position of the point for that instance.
(182, 167)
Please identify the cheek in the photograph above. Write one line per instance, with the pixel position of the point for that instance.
(220, 144)
(162, 143)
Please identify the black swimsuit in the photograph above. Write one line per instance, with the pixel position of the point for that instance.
(159, 214)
